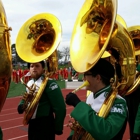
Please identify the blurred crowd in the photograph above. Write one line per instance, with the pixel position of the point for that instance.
(61, 74)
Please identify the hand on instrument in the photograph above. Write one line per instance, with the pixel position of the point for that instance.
(20, 109)
(58, 132)
(135, 137)
(72, 99)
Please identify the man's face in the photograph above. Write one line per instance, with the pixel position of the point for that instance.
(36, 70)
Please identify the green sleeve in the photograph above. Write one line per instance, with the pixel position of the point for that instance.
(1, 134)
(57, 103)
(21, 102)
(137, 122)
(101, 128)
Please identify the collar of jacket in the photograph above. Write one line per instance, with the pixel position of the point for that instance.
(104, 90)
(42, 78)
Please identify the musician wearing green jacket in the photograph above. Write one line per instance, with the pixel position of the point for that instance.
(48, 118)
(110, 127)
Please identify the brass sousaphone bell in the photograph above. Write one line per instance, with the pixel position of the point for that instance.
(38, 40)
(5, 56)
(96, 30)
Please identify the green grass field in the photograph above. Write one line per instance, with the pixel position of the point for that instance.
(19, 89)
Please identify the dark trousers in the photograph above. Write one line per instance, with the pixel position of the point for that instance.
(41, 128)
(133, 101)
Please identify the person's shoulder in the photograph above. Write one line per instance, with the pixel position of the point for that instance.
(119, 106)
(120, 99)
(50, 80)
(52, 84)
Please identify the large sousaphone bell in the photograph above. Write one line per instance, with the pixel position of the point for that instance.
(38, 40)
(5, 56)
(39, 37)
(96, 30)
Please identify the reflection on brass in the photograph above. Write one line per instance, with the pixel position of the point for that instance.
(43, 34)
(135, 34)
(38, 37)
(98, 29)
(5, 56)
(31, 99)
(86, 83)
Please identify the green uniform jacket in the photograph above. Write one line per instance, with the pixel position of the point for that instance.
(101, 128)
(52, 99)
(137, 122)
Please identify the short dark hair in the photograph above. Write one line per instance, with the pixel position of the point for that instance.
(105, 69)
(41, 62)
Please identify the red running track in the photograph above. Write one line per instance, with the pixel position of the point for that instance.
(11, 121)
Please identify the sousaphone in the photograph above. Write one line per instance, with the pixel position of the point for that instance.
(38, 40)
(135, 34)
(5, 56)
(96, 30)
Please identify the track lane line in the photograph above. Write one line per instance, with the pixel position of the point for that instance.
(18, 137)
(11, 119)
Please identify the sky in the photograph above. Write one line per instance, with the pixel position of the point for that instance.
(19, 11)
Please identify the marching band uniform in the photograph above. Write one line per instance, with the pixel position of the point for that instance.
(112, 127)
(49, 114)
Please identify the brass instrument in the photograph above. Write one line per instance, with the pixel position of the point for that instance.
(97, 29)
(96, 24)
(5, 56)
(135, 34)
(38, 40)
(86, 83)
(106, 53)
(121, 21)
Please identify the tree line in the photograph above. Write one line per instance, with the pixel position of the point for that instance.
(63, 53)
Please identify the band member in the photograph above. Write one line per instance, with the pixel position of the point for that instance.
(133, 102)
(49, 115)
(111, 127)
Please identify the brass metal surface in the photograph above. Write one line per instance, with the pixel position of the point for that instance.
(86, 83)
(122, 42)
(121, 21)
(33, 98)
(39, 37)
(97, 29)
(5, 56)
(91, 33)
(135, 34)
